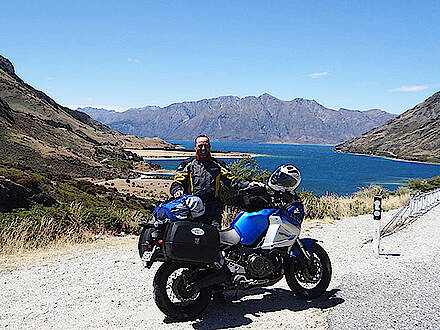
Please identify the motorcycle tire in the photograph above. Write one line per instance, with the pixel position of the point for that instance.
(182, 309)
(306, 280)
(144, 236)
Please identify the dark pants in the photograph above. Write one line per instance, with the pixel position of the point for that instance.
(213, 215)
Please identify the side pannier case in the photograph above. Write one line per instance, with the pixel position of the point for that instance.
(192, 242)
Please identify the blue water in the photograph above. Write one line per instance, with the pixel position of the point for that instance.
(324, 171)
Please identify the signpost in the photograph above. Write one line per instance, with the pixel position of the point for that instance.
(377, 214)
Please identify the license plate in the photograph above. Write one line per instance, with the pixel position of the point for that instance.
(147, 256)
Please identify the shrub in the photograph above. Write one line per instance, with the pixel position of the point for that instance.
(74, 222)
(423, 185)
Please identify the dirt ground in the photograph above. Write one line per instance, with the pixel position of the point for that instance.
(142, 187)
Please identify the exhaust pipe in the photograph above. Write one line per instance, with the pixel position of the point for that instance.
(210, 280)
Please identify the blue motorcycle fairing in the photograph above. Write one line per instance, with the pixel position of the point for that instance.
(307, 242)
(251, 225)
(288, 216)
(297, 212)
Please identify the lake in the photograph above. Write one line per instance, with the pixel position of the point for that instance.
(324, 171)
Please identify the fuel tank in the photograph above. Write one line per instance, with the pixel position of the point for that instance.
(277, 227)
(252, 225)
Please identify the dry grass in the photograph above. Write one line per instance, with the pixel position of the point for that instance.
(332, 207)
(41, 228)
(49, 234)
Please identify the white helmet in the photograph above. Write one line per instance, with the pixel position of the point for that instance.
(285, 178)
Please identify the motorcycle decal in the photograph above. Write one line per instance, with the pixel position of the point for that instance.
(198, 231)
(197, 240)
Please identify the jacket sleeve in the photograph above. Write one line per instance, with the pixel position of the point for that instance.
(229, 179)
(182, 179)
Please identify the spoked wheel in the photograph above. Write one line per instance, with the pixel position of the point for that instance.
(171, 295)
(310, 279)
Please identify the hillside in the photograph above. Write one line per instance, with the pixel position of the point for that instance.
(249, 119)
(414, 135)
(38, 134)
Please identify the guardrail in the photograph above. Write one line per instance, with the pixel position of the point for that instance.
(417, 205)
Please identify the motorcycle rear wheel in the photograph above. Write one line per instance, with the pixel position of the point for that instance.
(310, 280)
(170, 295)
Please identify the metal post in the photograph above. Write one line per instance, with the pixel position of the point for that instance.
(377, 214)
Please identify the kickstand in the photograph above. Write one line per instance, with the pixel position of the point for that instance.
(236, 294)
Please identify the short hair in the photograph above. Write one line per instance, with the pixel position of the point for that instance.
(201, 135)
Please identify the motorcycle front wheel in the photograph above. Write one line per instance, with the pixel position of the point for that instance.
(171, 296)
(310, 279)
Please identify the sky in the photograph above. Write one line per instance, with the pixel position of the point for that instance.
(122, 54)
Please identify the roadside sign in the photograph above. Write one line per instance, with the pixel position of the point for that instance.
(377, 212)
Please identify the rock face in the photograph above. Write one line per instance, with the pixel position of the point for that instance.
(414, 135)
(6, 112)
(39, 134)
(14, 195)
(249, 119)
(6, 66)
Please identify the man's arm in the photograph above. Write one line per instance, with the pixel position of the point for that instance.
(229, 179)
(182, 180)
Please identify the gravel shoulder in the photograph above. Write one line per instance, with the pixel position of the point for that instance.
(109, 288)
(398, 290)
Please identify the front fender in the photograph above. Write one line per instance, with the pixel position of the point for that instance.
(296, 251)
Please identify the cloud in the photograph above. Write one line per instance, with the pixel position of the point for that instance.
(50, 78)
(416, 88)
(318, 74)
(133, 60)
(107, 107)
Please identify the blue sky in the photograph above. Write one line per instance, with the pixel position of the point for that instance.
(352, 54)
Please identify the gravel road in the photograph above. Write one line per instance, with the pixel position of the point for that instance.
(108, 288)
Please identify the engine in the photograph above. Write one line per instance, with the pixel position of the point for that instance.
(259, 266)
(254, 264)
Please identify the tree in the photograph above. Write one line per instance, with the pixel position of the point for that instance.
(247, 168)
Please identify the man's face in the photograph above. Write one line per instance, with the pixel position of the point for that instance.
(202, 147)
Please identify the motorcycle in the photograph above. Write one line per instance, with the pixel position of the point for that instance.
(260, 247)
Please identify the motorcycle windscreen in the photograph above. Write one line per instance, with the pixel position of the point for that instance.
(251, 225)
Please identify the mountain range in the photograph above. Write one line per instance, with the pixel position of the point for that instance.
(39, 134)
(250, 119)
(414, 135)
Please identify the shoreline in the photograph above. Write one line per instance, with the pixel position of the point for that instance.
(180, 154)
(389, 158)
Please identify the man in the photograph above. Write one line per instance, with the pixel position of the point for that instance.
(201, 176)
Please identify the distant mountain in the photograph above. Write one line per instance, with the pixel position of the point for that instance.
(249, 119)
(414, 135)
(99, 114)
(37, 133)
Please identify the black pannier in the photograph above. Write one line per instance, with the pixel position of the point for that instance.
(192, 242)
(253, 199)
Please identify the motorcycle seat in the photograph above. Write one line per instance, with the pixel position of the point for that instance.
(229, 236)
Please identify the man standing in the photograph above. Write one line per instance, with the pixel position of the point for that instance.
(201, 176)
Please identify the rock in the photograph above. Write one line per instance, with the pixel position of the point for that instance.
(14, 195)
(6, 111)
(6, 65)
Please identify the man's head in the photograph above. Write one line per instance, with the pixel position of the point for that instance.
(202, 146)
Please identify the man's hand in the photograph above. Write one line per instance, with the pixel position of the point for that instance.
(178, 193)
(256, 183)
